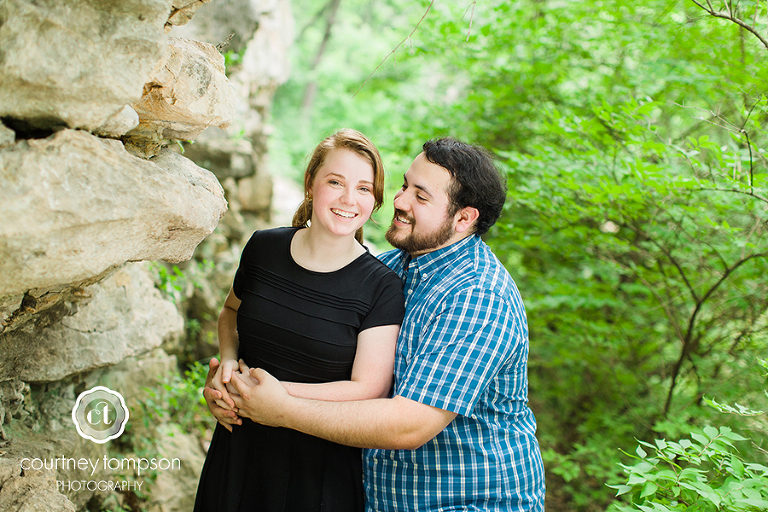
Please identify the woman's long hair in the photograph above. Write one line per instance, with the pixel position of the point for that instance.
(353, 141)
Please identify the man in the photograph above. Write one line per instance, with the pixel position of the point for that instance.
(457, 433)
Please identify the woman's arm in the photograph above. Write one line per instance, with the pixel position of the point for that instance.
(372, 370)
(228, 345)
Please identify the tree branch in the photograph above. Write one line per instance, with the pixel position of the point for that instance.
(730, 16)
(686, 351)
(396, 47)
(761, 198)
(471, 18)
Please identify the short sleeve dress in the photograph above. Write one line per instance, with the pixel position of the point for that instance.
(300, 326)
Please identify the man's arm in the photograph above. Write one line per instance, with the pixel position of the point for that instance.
(388, 423)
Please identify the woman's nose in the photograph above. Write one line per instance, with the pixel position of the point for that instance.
(348, 196)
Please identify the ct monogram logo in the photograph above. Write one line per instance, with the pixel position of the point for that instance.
(100, 414)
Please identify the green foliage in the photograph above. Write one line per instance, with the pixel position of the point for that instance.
(643, 263)
(704, 473)
(174, 283)
(180, 401)
(232, 60)
(632, 135)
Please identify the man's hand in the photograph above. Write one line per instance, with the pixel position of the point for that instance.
(260, 396)
(213, 397)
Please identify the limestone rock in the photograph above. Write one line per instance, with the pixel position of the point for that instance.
(175, 491)
(144, 141)
(7, 136)
(216, 22)
(73, 206)
(126, 316)
(255, 194)
(273, 38)
(29, 491)
(11, 399)
(263, 35)
(188, 92)
(182, 12)
(9, 305)
(76, 63)
(119, 124)
(223, 157)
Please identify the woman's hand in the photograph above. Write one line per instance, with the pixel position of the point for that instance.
(213, 397)
(221, 380)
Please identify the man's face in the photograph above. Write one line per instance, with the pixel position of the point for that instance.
(421, 223)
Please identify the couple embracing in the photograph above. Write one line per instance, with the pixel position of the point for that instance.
(399, 383)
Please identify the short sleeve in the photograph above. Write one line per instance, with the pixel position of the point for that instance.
(388, 306)
(461, 351)
(246, 256)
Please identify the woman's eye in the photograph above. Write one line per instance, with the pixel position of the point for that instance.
(365, 189)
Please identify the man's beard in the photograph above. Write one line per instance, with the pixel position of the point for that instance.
(419, 242)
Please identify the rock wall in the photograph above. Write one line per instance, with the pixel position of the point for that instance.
(94, 95)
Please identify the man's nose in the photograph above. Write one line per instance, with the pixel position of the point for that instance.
(399, 202)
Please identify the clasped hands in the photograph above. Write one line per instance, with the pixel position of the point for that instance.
(234, 391)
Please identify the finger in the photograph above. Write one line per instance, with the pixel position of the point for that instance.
(224, 405)
(254, 373)
(226, 426)
(261, 374)
(227, 416)
(211, 393)
(228, 399)
(222, 389)
(238, 384)
(213, 366)
(243, 367)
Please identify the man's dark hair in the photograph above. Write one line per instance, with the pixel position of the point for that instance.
(476, 180)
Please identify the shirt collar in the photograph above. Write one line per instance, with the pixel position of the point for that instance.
(430, 262)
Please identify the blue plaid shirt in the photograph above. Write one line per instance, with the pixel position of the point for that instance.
(463, 347)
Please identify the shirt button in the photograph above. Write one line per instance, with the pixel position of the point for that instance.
(410, 292)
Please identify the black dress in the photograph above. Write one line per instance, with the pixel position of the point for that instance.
(300, 326)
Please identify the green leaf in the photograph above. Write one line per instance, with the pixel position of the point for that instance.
(621, 489)
(648, 489)
(737, 466)
(712, 432)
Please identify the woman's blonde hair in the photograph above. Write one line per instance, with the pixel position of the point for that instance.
(353, 141)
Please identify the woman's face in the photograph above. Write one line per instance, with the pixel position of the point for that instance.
(342, 192)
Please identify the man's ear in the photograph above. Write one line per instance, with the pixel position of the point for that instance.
(465, 219)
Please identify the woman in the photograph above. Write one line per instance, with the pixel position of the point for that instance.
(313, 307)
